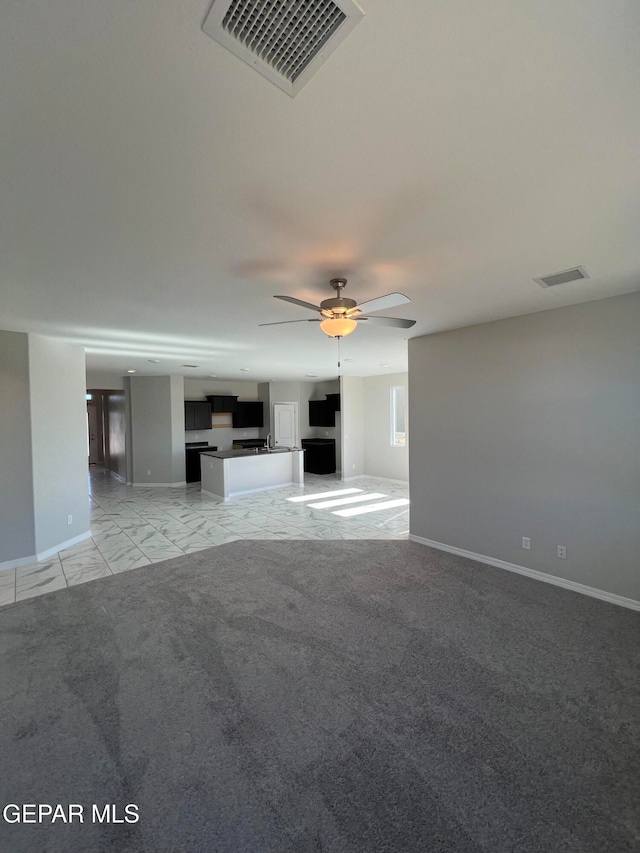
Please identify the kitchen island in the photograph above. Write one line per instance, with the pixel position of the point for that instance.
(227, 474)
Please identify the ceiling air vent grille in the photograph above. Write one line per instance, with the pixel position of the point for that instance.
(562, 277)
(285, 40)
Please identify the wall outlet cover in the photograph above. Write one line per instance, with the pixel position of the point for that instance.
(526, 543)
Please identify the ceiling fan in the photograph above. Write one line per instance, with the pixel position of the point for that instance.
(339, 316)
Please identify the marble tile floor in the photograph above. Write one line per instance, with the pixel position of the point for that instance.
(132, 527)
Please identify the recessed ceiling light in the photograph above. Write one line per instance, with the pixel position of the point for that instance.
(212, 376)
(245, 369)
(153, 360)
(189, 365)
(347, 359)
(313, 375)
(384, 365)
(130, 371)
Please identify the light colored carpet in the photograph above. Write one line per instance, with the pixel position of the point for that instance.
(322, 696)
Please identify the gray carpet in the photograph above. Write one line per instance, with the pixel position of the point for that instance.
(322, 696)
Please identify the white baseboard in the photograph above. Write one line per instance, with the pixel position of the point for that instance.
(611, 597)
(374, 477)
(159, 485)
(43, 555)
(384, 479)
(250, 491)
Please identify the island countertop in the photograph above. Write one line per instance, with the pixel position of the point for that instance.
(233, 454)
(230, 473)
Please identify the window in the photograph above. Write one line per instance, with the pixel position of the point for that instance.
(398, 416)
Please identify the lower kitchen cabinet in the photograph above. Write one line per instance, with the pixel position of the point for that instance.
(192, 462)
(319, 455)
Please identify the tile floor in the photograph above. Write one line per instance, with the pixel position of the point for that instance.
(135, 527)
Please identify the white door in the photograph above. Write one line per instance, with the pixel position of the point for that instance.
(285, 424)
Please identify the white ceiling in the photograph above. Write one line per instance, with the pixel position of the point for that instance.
(155, 191)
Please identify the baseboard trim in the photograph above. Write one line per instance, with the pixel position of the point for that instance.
(591, 591)
(374, 477)
(249, 491)
(159, 485)
(43, 555)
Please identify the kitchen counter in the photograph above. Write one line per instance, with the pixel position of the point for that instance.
(229, 473)
(233, 454)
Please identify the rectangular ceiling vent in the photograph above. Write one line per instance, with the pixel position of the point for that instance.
(285, 40)
(562, 277)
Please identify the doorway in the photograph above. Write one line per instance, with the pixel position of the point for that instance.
(95, 433)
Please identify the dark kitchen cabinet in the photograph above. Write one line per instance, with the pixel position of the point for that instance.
(333, 401)
(223, 403)
(249, 414)
(197, 414)
(321, 414)
(319, 455)
(192, 461)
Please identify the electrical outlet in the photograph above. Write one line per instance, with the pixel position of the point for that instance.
(148, 472)
(353, 466)
(526, 543)
(562, 552)
(69, 519)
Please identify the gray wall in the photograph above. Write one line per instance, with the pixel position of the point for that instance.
(531, 427)
(59, 440)
(17, 531)
(157, 429)
(352, 426)
(176, 385)
(380, 458)
(105, 379)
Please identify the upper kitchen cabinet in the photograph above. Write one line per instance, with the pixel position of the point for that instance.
(321, 414)
(249, 414)
(220, 403)
(333, 401)
(197, 414)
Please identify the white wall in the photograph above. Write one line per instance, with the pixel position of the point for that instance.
(380, 458)
(352, 426)
(17, 530)
(531, 427)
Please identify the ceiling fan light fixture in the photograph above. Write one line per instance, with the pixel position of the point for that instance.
(338, 327)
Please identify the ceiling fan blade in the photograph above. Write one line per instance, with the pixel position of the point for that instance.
(295, 301)
(397, 322)
(382, 302)
(282, 322)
